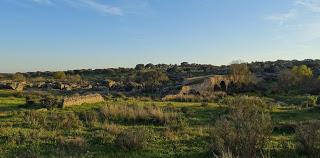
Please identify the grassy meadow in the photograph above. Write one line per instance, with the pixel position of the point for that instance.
(129, 127)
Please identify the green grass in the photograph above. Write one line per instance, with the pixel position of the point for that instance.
(20, 139)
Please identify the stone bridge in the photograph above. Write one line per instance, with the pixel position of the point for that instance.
(200, 85)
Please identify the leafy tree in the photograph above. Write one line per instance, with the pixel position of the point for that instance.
(139, 67)
(150, 66)
(184, 64)
(298, 76)
(60, 75)
(19, 77)
(301, 73)
(241, 73)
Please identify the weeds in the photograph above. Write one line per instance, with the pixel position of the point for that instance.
(133, 139)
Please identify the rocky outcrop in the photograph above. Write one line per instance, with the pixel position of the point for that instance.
(18, 86)
(78, 100)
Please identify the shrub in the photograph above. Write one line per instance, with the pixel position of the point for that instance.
(18, 77)
(70, 121)
(185, 109)
(102, 137)
(75, 145)
(132, 139)
(169, 134)
(204, 104)
(28, 153)
(308, 136)
(33, 118)
(179, 123)
(39, 100)
(244, 131)
(112, 128)
(89, 117)
(33, 100)
(312, 101)
(60, 75)
(64, 120)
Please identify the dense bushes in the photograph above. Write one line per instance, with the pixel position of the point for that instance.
(39, 100)
(243, 132)
(308, 136)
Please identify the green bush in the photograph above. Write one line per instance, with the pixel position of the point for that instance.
(308, 136)
(244, 131)
(133, 139)
(312, 101)
(39, 100)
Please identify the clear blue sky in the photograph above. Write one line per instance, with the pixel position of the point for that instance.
(74, 34)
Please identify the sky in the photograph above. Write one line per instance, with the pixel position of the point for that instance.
(40, 35)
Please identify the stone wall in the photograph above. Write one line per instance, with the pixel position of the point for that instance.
(78, 100)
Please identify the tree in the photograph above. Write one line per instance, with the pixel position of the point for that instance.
(300, 76)
(150, 66)
(152, 79)
(286, 78)
(60, 75)
(1, 77)
(184, 64)
(301, 73)
(139, 67)
(241, 73)
(19, 77)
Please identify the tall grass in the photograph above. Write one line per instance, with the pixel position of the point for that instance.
(138, 114)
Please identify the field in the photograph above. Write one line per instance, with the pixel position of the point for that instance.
(167, 129)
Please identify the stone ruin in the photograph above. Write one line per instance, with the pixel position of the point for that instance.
(17, 86)
(78, 100)
(201, 85)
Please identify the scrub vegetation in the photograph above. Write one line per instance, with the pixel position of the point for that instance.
(244, 116)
